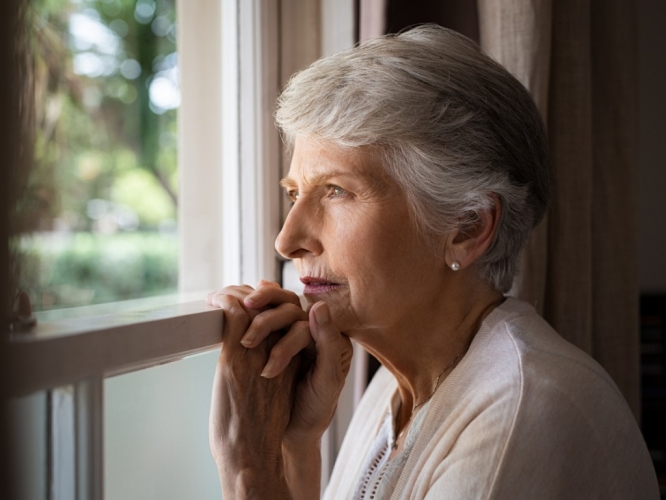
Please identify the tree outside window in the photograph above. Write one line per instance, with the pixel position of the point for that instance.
(97, 210)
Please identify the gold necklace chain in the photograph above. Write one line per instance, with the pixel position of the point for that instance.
(414, 407)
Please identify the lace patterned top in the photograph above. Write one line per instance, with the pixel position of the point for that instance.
(380, 475)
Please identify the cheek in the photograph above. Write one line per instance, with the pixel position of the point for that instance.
(341, 235)
(363, 244)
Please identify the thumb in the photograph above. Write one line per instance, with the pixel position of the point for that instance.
(322, 328)
(328, 344)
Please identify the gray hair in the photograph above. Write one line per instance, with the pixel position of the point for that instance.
(452, 127)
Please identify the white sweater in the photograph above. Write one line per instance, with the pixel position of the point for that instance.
(524, 415)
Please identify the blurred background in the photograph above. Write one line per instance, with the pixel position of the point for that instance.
(102, 193)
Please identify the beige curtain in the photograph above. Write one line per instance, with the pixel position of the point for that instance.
(579, 60)
(372, 19)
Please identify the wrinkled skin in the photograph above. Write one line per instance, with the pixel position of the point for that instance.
(370, 272)
(276, 385)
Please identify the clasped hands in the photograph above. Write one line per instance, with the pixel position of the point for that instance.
(276, 387)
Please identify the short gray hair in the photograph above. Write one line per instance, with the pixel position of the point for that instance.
(452, 127)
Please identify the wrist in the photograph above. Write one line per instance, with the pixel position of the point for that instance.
(300, 450)
(302, 468)
(298, 444)
(252, 474)
(251, 484)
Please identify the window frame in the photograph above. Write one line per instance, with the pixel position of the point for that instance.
(229, 150)
(234, 57)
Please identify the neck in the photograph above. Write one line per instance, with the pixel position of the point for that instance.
(429, 343)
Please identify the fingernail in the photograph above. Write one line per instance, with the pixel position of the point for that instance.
(250, 299)
(248, 339)
(268, 369)
(321, 314)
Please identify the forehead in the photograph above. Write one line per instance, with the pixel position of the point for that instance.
(316, 160)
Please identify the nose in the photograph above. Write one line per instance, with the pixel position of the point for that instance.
(298, 236)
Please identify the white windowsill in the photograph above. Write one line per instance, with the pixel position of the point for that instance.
(118, 306)
(90, 344)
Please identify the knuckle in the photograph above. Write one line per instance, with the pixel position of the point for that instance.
(303, 323)
(262, 320)
(235, 311)
(302, 327)
(287, 307)
(293, 309)
(234, 290)
(292, 298)
(278, 352)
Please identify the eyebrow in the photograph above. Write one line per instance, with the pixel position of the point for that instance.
(287, 182)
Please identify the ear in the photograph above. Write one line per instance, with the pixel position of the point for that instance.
(470, 241)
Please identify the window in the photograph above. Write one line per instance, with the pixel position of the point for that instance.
(102, 191)
(102, 382)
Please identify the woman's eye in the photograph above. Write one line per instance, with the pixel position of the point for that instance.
(292, 195)
(336, 191)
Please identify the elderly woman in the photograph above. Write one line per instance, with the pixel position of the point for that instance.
(419, 168)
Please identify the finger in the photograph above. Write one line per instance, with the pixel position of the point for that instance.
(267, 283)
(240, 292)
(219, 411)
(272, 320)
(236, 322)
(297, 338)
(270, 295)
(332, 347)
(209, 297)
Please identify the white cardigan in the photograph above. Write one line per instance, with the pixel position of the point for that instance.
(524, 415)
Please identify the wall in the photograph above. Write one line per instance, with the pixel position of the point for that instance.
(652, 145)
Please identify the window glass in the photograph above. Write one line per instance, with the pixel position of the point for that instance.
(98, 208)
(156, 432)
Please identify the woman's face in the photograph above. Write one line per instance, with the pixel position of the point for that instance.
(353, 241)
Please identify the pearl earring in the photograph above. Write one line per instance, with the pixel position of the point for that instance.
(455, 265)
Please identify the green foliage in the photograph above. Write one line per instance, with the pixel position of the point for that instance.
(90, 125)
(104, 153)
(67, 270)
(139, 190)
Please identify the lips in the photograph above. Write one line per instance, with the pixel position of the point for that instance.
(318, 286)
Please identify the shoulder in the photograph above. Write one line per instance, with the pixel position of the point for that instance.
(518, 351)
(573, 431)
(546, 371)
(525, 403)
